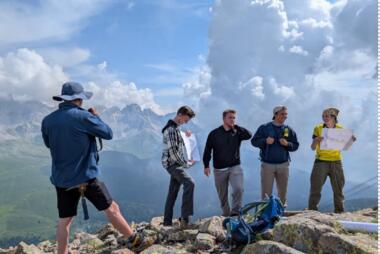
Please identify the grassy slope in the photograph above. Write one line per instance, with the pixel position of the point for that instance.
(27, 198)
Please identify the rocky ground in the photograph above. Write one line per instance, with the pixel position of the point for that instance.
(305, 232)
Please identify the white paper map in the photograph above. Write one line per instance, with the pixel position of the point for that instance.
(191, 146)
(336, 139)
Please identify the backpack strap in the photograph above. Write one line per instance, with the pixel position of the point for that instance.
(100, 141)
(250, 206)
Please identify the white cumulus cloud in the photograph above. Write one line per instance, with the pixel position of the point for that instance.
(26, 75)
(254, 66)
(120, 95)
(33, 21)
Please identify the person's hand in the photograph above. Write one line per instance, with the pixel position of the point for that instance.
(188, 133)
(270, 140)
(353, 138)
(283, 142)
(93, 111)
(191, 162)
(207, 171)
(318, 140)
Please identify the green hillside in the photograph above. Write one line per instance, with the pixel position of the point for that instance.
(27, 198)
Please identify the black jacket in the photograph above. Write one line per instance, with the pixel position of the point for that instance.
(225, 146)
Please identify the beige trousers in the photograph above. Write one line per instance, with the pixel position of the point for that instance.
(270, 172)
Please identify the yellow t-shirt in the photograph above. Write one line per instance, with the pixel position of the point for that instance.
(326, 155)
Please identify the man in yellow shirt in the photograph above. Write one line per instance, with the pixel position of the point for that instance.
(327, 163)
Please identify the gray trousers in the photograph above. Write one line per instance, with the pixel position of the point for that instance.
(269, 172)
(178, 177)
(232, 176)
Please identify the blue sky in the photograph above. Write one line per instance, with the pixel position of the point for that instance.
(135, 40)
(154, 44)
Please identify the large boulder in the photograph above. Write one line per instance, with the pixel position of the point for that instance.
(315, 232)
(301, 233)
(213, 226)
(340, 244)
(366, 215)
(269, 247)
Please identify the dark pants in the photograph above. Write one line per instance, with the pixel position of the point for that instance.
(179, 176)
(96, 192)
(321, 170)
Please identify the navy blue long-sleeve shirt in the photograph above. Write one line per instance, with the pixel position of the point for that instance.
(69, 133)
(275, 153)
(225, 146)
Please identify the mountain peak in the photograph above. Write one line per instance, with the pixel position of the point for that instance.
(132, 108)
(303, 232)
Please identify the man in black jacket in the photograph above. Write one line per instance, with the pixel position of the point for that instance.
(224, 143)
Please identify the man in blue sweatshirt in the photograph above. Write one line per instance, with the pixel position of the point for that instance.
(275, 140)
(70, 133)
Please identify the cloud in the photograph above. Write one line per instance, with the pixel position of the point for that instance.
(298, 50)
(255, 85)
(283, 91)
(120, 95)
(268, 52)
(356, 26)
(25, 22)
(26, 75)
(198, 85)
(164, 67)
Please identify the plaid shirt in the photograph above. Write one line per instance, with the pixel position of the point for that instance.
(174, 147)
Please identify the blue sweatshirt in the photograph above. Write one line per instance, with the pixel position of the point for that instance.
(70, 134)
(275, 153)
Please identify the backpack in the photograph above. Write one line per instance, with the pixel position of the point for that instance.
(243, 229)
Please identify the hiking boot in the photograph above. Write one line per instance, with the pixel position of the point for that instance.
(167, 224)
(184, 223)
(138, 242)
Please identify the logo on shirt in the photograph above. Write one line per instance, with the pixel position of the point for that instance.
(286, 133)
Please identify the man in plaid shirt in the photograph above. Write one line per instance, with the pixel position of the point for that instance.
(175, 162)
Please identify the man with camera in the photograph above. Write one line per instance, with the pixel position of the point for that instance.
(70, 133)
